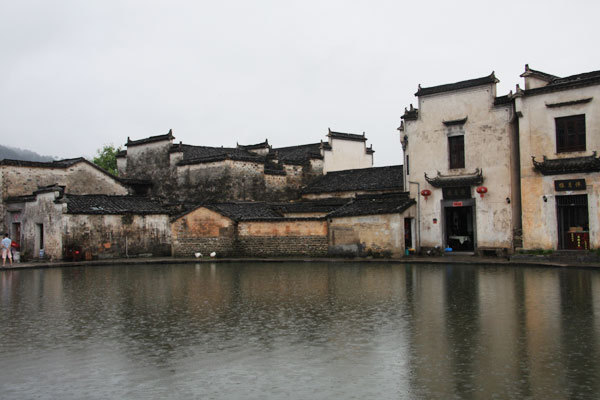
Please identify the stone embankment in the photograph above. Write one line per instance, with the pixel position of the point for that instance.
(552, 260)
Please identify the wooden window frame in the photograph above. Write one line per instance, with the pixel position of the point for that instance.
(456, 151)
(570, 133)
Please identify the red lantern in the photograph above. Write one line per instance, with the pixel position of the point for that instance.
(425, 193)
(481, 190)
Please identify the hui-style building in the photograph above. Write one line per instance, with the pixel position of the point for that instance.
(257, 172)
(499, 173)
(559, 138)
(463, 137)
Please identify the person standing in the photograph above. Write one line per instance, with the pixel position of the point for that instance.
(6, 250)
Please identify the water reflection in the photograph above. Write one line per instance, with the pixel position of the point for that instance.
(300, 331)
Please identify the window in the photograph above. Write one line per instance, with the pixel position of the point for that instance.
(456, 148)
(570, 133)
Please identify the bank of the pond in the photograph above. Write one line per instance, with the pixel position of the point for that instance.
(518, 260)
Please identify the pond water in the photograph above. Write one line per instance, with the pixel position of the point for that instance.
(300, 331)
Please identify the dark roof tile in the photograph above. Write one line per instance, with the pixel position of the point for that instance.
(569, 82)
(65, 163)
(263, 145)
(104, 204)
(388, 203)
(347, 136)
(486, 80)
(151, 139)
(364, 179)
(239, 211)
(443, 181)
(503, 100)
(299, 154)
(538, 74)
(311, 206)
(567, 165)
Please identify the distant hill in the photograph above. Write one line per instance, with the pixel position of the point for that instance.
(13, 153)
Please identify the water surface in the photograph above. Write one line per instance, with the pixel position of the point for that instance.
(300, 331)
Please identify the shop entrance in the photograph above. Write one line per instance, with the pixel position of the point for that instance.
(573, 222)
(459, 232)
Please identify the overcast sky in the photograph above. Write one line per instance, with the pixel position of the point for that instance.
(75, 75)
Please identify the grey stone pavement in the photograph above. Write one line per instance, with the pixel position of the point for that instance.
(517, 260)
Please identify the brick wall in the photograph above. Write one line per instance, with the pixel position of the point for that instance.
(275, 246)
(187, 246)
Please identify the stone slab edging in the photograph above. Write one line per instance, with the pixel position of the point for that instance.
(469, 260)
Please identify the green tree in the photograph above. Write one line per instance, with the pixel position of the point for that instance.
(106, 158)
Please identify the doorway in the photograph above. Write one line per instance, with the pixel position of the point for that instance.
(459, 232)
(408, 236)
(39, 236)
(573, 222)
(15, 235)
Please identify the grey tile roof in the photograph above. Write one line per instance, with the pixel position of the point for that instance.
(503, 100)
(299, 154)
(364, 179)
(311, 206)
(288, 155)
(347, 136)
(203, 154)
(65, 163)
(151, 139)
(411, 114)
(443, 181)
(239, 211)
(263, 145)
(567, 165)
(388, 203)
(485, 80)
(539, 74)
(105, 204)
(569, 82)
(20, 199)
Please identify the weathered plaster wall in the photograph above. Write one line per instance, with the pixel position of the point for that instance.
(20, 181)
(346, 154)
(152, 161)
(83, 178)
(112, 236)
(43, 214)
(122, 166)
(230, 180)
(204, 231)
(537, 133)
(290, 228)
(487, 141)
(378, 235)
(221, 181)
(80, 178)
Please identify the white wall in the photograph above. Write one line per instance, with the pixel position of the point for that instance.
(537, 133)
(487, 139)
(346, 154)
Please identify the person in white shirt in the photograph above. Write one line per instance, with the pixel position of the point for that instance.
(6, 250)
